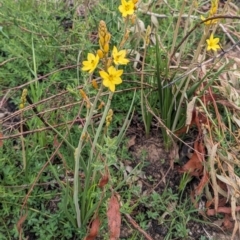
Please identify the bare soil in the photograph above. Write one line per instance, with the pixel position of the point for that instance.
(162, 169)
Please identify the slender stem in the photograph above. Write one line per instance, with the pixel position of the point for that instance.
(177, 27)
(77, 153)
(142, 90)
(23, 144)
(101, 124)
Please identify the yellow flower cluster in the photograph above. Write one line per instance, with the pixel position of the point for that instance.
(104, 39)
(111, 75)
(212, 12)
(23, 99)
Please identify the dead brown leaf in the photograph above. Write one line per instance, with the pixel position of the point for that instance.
(227, 210)
(131, 141)
(190, 108)
(103, 181)
(20, 223)
(1, 141)
(204, 180)
(114, 218)
(227, 223)
(194, 167)
(93, 232)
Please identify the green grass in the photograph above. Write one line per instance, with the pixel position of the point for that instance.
(50, 176)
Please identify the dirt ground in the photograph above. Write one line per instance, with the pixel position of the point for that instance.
(163, 170)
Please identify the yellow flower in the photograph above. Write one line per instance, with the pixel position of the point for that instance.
(214, 2)
(209, 22)
(212, 11)
(91, 63)
(119, 56)
(212, 43)
(111, 78)
(127, 8)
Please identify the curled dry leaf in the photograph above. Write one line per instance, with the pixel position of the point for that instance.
(114, 218)
(227, 223)
(154, 21)
(190, 108)
(137, 59)
(131, 142)
(213, 152)
(236, 119)
(55, 142)
(194, 167)
(20, 223)
(204, 180)
(198, 118)
(139, 28)
(103, 181)
(227, 210)
(93, 232)
(1, 141)
(200, 150)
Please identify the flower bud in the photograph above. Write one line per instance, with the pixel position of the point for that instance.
(103, 181)
(21, 106)
(102, 29)
(107, 37)
(101, 42)
(101, 105)
(94, 84)
(83, 94)
(106, 47)
(109, 117)
(109, 62)
(100, 53)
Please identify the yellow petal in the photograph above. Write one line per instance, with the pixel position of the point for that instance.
(112, 87)
(117, 81)
(111, 70)
(103, 74)
(119, 73)
(85, 63)
(120, 8)
(106, 82)
(122, 53)
(216, 40)
(114, 50)
(90, 57)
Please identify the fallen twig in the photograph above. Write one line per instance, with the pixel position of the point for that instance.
(136, 226)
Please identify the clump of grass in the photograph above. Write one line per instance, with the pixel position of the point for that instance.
(63, 170)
